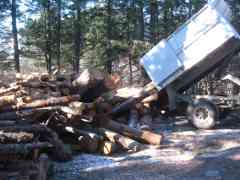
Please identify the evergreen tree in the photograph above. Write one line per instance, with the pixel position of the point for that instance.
(15, 34)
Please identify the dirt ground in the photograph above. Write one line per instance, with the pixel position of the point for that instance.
(186, 154)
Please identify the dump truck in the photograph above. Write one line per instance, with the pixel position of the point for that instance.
(195, 49)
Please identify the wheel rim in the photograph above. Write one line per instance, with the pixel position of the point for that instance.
(201, 113)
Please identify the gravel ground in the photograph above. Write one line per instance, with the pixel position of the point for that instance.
(186, 154)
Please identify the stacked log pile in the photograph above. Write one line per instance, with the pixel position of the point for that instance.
(40, 114)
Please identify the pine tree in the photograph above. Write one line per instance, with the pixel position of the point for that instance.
(15, 34)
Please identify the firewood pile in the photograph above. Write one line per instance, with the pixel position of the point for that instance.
(60, 114)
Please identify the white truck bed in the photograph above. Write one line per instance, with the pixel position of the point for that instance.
(202, 42)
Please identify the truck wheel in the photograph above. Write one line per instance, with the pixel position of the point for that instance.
(203, 114)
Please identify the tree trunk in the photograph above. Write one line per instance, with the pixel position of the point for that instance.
(108, 65)
(59, 4)
(48, 54)
(77, 37)
(153, 21)
(189, 8)
(15, 35)
(131, 19)
(141, 20)
(130, 67)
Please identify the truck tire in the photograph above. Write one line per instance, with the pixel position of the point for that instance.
(203, 114)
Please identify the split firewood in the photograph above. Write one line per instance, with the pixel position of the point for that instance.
(7, 100)
(108, 147)
(142, 136)
(123, 141)
(54, 101)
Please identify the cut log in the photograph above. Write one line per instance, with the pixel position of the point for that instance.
(23, 149)
(143, 136)
(151, 98)
(37, 84)
(129, 103)
(123, 141)
(111, 98)
(146, 122)
(9, 116)
(7, 100)
(108, 148)
(89, 144)
(88, 141)
(9, 90)
(15, 137)
(133, 118)
(90, 84)
(7, 123)
(19, 115)
(54, 101)
(59, 151)
(27, 99)
(88, 78)
(79, 107)
(128, 92)
(45, 77)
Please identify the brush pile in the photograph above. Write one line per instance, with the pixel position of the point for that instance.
(55, 115)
